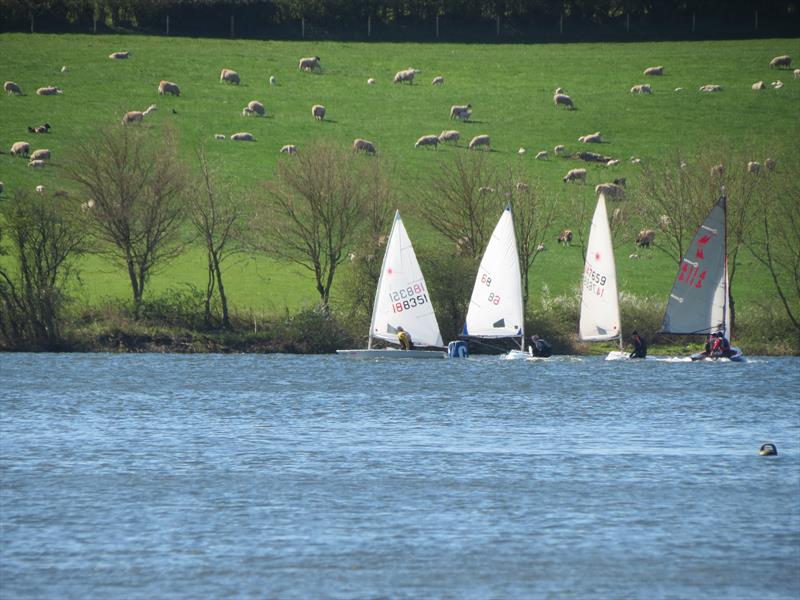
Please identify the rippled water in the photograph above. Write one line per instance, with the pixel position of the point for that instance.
(151, 476)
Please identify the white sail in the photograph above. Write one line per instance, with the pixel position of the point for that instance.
(699, 298)
(495, 310)
(599, 299)
(402, 298)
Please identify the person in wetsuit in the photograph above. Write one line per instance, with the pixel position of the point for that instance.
(540, 347)
(405, 339)
(639, 346)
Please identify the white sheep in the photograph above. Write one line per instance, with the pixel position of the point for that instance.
(769, 163)
(449, 135)
(289, 149)
(49, 90)
(20, 149)
(405, 75)
(543, 155)
(540, 247)
(711, 87)
(438, 80)
(310, 63)
(12, 88)
(592, 138)
(563, 100)
(427, 140)
(678, 89)
(39, 189)
(460, 111)
(559, 91)
(781, 61)
(318, 112)
(273, 80)
(370, 81)
(361, 145)
(560, 150)
(229, 76)
(796, 73)
(777, 84)
(124, 54)
(37, 164)
(642, 88)
(257, 108)
(132, 116)
(64, 69)
(243, 136)
(219, 136)
(753, 167)
(612, 191)
(612, 163)
(636, 161)
(758, 85)
(654, 71)
(150, 109)
(480, 141)
(168, 87)
(575, 175)
(41, 154)
(522, 151)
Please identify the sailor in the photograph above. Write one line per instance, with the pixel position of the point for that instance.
(639, 346)
(717, 345)
(540, 347)
(405, 339)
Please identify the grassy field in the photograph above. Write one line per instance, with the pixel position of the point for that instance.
(509, 86)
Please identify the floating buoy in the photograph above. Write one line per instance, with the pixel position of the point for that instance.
(768, 450)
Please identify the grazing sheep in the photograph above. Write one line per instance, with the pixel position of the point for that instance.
(480, 141)
(565, 237)
(777, 84)
(361, 145)
(654, 71)
(133, 116)
(229, 76)
(591, 157)
(168, 87)
(49, 90)
(717, 171)
(37, 164)
(44, 128)
(781, 61)
(559, 150)
(20, 149)
(449, 135)
(522, 151)
(678, 89)
(769, 163)
(642, 88)
(711, 87)
(257, 108)
(41, 154)
(150, 109)
(634, 257)
(664, 222)
(289, 149)
(310, 63)
(405, 75)
(12, 88)
(485, 189)
(124, 54)
(243, 136)
(758, 85)
(273, 80)
(318, 112)
(563, 100)
(636, 161)
(219, 136)
(64, 69)
(457, 110)
(39, 189)
(645, 237)
(543, 155)
(612, 191)
(247, 111)
(612, 163)
(438, 80)
(575, 175)
(370, 81)
(427, 140)
(592, 138)
(559, 91)
(754, 167)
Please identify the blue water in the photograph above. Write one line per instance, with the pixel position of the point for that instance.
(153, 476)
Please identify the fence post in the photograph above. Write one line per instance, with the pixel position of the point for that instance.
(437, 27)
(232, 27)
(369, 25)
(561, 24)
(303, 27)
(167, 24)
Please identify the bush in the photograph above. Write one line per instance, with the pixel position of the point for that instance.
(183, 307)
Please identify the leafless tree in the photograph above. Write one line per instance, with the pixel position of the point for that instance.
(134, 190)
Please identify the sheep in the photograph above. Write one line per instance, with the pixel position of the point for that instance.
(559, 91)
(20, 149)
(449, 135)
(612, 163)
(457, 109)
(592, 138)
(678, 89)
(485, 189)
(781, 61)
(64, 69)
(427, 140)
(289, 149)
(150, 109)
(273, 80)
(88, 205)
(243, 136)
(361, 145)
(634, 257)
(563, 100)
(41, 154)
(758, 85)
(124, 54)
(438, 80)
(711, 87)
(565, 237)
(664, 222)
(543, 155)
(370, 81)
(405, 75)
(133, 116)
(49, 90)
(717, 171)
(522, 151)
(642, 88)
(310, 63)
(480, 141)
(636, 161)
(229, 76)
(36, 164)
(44, 128)
(769, 163)
(559, 150)
(219, 136)
(39, 189)
(777, 84)
(168, 87)
(753, 167)
(540, 247)
(575, 175)
(257, 108)
(318, 112)
(12, 88)
(645, 237)
(612, 191)
(654, 71)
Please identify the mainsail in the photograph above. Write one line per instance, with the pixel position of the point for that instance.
(402, 298)
(599, 299)
(698, 303)
(495, 309)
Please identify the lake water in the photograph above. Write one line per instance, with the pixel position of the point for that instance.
(272, 476)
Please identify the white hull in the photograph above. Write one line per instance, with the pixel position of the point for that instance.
(392, 353)
(618, 355)
(516, 355)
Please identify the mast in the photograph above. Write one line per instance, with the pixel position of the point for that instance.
(726, 318)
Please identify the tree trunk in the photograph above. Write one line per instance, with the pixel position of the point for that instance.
(209, 292)
(223, 299)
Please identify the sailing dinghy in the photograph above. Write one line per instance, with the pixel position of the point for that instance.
(495, 308)
(698, 302)
(401, 300)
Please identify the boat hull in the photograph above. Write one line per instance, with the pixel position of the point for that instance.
(618, 355)
(736, 356)
(391, 353)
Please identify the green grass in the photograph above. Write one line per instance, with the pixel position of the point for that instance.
(509, 86)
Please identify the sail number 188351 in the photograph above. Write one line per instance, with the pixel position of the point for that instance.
(408, 298)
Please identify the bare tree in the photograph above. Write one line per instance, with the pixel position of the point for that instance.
(318, 204)
(216, 216)
(134, 188)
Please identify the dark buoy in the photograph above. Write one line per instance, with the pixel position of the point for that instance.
(768, 450)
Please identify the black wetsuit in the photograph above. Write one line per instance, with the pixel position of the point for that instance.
(639, 347)
(541, 348)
